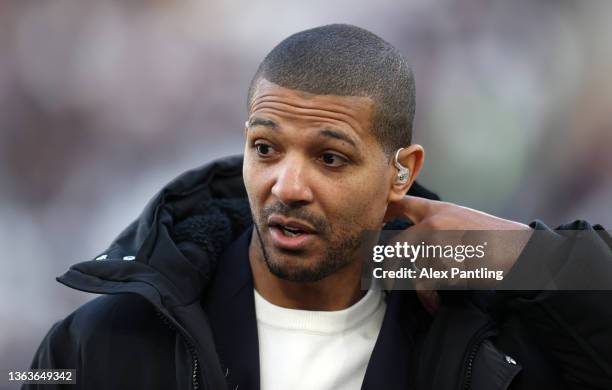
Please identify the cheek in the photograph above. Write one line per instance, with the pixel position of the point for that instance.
(252, 183)
(358, 203)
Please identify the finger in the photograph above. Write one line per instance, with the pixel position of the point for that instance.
(412, 207)
(429, 299)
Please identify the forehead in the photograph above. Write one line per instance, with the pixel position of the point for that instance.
(354, 112)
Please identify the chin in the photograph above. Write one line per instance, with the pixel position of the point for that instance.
(297, 274)
(291, 266)
(303, 269)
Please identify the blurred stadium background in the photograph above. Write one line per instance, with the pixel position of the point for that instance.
(102, 102)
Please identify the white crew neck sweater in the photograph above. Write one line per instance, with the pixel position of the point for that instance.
(317, 350)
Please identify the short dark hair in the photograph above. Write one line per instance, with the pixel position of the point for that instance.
(345, 60)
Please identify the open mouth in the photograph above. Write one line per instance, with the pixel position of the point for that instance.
(288, 231)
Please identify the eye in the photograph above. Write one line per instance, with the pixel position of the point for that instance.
(263, 149)
(333, 160)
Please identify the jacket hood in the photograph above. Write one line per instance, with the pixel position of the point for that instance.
(200, 213)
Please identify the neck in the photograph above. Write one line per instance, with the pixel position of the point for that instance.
(337, 291)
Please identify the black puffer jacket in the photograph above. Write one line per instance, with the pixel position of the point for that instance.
(149, 329)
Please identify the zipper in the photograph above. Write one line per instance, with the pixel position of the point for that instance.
(195, 363)
(478, 339)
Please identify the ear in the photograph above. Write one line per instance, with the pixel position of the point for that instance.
(411, 157)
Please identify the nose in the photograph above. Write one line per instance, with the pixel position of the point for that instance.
(291, 186)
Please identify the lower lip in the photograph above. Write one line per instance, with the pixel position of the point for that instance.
(286, 242)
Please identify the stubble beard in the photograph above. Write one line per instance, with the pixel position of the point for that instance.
(341, 252)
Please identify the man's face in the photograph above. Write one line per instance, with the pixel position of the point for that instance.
(316, 178)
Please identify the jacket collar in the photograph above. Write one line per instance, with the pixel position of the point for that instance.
(206, 206)
(398, 342)
(229, 304)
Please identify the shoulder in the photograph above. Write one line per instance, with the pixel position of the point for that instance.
(113, 320)
(114, 341)
(119, 326)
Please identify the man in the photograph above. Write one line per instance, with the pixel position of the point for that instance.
(246, 274)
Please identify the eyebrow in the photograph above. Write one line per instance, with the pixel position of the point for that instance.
(330, 133)
(338, 135)
(262, 122)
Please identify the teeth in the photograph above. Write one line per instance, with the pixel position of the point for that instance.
(289, 233)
